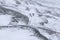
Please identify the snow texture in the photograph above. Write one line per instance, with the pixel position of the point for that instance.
(29, 20)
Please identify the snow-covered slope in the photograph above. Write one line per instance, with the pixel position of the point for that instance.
(15, 34)
(43, 14)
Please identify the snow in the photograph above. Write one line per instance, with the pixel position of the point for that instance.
(15, 34)
(46, 5)
(5, 19)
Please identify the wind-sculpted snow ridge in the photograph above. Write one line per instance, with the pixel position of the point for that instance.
(32, 15)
